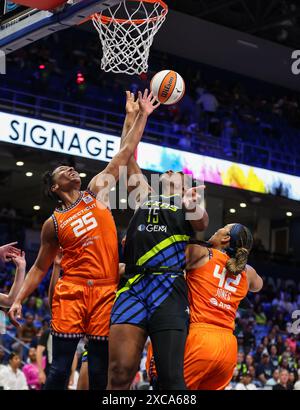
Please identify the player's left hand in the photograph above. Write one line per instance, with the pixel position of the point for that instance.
(147, 102)
(192, 197)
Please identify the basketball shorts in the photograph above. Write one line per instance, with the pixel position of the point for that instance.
(210, 357)
(152, 301)
(82, 307)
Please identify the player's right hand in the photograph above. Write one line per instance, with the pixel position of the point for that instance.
(15, 313)
(147, 102)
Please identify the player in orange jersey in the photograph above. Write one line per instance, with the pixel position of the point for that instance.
(84, 228)
(218, 278)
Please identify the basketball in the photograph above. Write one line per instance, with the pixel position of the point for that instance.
(168, 86)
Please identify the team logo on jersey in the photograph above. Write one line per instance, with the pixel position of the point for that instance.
(152, 228)
(87, 199)
(213, 302)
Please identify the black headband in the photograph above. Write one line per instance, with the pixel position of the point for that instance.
(234, 237)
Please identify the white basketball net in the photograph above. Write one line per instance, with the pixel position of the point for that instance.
(126, 40)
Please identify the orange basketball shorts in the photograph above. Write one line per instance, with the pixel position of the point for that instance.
(210, 357)
(82, 307)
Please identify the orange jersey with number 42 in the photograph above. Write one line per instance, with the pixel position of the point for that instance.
(87, 233)
(215, 294)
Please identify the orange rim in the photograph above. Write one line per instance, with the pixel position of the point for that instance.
(107, 19)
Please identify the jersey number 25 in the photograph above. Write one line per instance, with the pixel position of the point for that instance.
(84, 224)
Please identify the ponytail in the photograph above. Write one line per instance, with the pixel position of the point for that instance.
(237, 264)
(240, 245)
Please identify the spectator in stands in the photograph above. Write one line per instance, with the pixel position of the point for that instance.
(274, 359)
(31, 370)
(25, 333)
(258, 353)
(284, 383)
(241, 366)
(185, 142)
(255, 380)
(291, 343)
(260, 316)
(246, 382)
(30, 306)
(249, 339)
(274, 379)
(265, 369)
(208, 102)
(280, 344)
(11, 377)
(249, 361)
(229, 131)
(297, 384)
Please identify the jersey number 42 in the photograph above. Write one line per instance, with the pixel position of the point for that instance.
(226, 282)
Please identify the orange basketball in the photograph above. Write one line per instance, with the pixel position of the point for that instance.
(168, 86)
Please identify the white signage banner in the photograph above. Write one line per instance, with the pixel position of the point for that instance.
(80, 142)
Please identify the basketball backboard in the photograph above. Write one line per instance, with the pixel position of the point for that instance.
(20, 25)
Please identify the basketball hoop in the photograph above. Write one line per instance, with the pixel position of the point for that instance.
(126, 33)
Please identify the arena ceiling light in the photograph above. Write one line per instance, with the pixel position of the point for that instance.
(82, 174)
(243, 205)
(29, 174)
(289, 214)
(19, 163)
(232, 210)
(36, 207)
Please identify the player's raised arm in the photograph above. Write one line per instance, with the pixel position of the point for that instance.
(48, 249)
(254, 280)
(135, 177)
(147, 104)
(20, 262)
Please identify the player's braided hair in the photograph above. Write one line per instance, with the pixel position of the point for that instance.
(48, 183)
(241, 242)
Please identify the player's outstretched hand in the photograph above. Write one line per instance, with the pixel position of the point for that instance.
(19, 260)
(8, 251)
(192, 197)
(15, 313)
(147, 102)
(132, 104)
